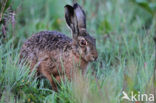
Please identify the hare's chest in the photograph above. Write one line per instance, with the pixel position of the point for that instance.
(74, 63)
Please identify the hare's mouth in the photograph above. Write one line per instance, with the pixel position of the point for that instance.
(92, 59)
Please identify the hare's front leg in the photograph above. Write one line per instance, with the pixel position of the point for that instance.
(49, 77)
(45, 71)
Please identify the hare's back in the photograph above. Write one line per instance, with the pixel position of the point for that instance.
(48, 40)
(45, 41)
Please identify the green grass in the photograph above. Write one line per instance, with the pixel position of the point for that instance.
(124, 34)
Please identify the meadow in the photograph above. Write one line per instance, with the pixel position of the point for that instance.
(124, 31)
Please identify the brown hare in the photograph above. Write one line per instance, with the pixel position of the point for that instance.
(55, 55)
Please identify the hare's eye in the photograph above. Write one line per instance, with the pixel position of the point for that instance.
(83, 42)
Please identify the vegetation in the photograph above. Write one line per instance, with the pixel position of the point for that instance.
(124, 30)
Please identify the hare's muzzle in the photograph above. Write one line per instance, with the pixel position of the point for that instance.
(94, 56)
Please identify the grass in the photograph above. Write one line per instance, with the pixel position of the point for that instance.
(124, 32)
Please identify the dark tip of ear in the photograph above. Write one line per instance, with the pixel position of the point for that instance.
(69, 11)
(69, 8)
(76, 5)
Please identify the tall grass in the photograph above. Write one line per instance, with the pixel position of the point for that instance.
(124, 32)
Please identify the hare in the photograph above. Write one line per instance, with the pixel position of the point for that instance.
(55, 55)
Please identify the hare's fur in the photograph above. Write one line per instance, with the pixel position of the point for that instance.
(53, 54)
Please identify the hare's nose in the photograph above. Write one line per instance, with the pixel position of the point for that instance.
(95, 56)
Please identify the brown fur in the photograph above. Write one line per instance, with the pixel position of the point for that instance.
(53, 54)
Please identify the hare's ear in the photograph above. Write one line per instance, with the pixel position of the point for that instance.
(81, 16)
(71, 19)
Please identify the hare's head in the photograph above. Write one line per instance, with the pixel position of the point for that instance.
(83, 45)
